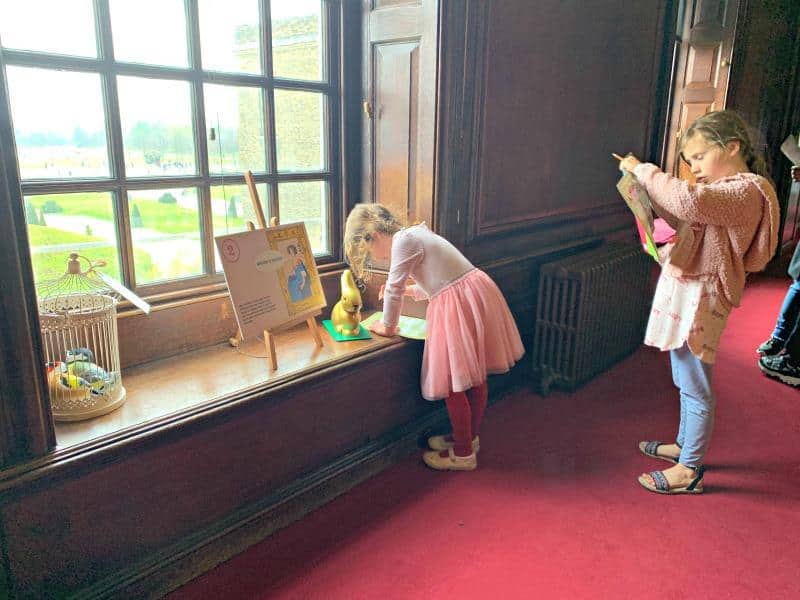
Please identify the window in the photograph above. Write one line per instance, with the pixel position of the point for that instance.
(134, 124)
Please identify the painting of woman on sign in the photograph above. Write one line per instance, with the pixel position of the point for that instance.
(298, 281)
(299, 278)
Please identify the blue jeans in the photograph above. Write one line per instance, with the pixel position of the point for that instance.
(786, 327)
(693, 377)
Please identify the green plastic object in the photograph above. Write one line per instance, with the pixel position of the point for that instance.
(363, 333)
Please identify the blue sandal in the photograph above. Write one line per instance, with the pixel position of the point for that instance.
(662, 485)
(650, 449)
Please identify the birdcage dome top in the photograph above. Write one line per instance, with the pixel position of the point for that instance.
(81, 289)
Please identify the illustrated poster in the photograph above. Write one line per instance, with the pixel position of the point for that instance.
(272, 277)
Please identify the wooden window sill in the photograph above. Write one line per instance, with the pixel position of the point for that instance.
(169, 386)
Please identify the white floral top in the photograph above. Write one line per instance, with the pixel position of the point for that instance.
(687, 310)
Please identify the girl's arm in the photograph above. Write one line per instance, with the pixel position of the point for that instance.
(415, 292)
(724, 203)
(407, 252)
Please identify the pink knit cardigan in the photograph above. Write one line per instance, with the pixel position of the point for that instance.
(727, 228)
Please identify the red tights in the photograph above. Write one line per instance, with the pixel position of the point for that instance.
(466, 413)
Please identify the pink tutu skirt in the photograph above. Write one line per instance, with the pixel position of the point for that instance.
(470, 334)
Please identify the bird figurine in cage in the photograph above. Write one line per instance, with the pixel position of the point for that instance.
(78, 317)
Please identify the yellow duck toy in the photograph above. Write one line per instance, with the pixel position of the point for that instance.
(346, 313)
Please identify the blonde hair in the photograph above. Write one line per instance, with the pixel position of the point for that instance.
(722, 127)
(362, 223)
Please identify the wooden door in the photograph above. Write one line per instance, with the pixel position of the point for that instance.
(400, 105)
(704, 52)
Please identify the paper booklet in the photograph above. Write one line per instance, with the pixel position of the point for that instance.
(791, 150)
(638, 201)
(408, 327)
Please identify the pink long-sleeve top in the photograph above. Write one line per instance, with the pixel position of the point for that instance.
(725, 229)
(429, 259)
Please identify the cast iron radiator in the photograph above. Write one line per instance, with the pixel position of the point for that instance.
(591, 312)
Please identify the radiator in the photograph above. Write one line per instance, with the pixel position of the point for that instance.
(591, 312)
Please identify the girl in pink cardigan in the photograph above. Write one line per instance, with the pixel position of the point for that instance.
(470, 331)
(727, 225)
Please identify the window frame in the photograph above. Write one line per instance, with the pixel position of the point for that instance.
(27, 434)
(118, 184)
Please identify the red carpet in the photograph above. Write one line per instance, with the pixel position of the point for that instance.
(554, 510)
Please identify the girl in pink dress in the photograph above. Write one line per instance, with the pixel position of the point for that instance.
(470, 330)
(727, 225)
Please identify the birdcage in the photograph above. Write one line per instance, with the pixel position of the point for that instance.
(79, 334)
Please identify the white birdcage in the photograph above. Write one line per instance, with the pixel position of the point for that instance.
(79, 334)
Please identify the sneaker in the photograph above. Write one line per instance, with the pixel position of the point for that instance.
(447, 461)
(771, 347)
(780, 367)
(445, 442)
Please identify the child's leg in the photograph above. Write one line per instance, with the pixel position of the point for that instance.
(697, 407)
(790, 309)
(461, 419)
(675, 360)
(478, 396)
(676, 374)
(792, 341)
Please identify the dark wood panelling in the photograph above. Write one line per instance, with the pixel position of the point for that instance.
(533, 98)
(765, 89)
(352, 112)
(462, 59)
(85, 521)
(567, 83)
(205, 549)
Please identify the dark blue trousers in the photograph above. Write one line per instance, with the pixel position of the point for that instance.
(786, 329)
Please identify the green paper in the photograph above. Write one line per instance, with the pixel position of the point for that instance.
(651, 248)
(410, 327)
(363, 333)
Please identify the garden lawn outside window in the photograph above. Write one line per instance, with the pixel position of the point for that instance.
(134, 123)
(131, 126)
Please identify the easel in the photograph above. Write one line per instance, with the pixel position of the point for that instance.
(309, 318)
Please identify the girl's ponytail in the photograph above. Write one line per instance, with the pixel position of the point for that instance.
(756, 163)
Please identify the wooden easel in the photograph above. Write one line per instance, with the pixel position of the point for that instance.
(309, 318)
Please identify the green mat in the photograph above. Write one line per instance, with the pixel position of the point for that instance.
(363, 334)
(410, 327)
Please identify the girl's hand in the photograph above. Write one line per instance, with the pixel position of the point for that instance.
(629, 163)
(796, 173)
(381, 329)
(381, 291)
